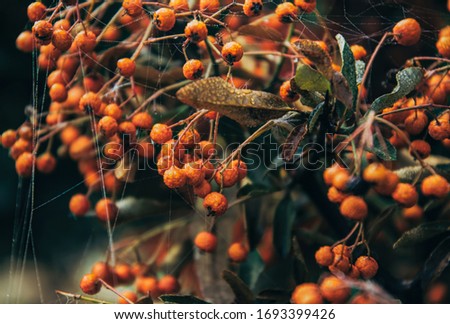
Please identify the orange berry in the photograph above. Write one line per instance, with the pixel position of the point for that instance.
(436, 89)
(353, 273)
(435, 185)
(211, 115)
(341, 264)
(42, 31)
(358, 51)
(363, 298)
(420, 147)
(413, 213)
(237, 252)
(24, 164)
(436, 293)
(103, 271)
(130, 295)
(232, 52)
(127, 131)
(113, 110)
(194, 173)
(46, 163)
(126, 67)
(81, 147)
(207, 149)
(62, 39)
(374, 172)
(216, 204)
(106, 210)
(193, 69)
(145, 149)
(90, 284)
(354, 207)
(209, 5)
(241, 168)
(336, 196)
(196, 31)
(330, 173)
(9, 137)
(206, 241)
(164, 19)
(123, 273)
(203, 189)
(440, 129)
(142, 120)
(168, 285)
(63, 24)
(416, 122)
(367, 266)
(58, 92)
(91, 101)
(25, 132)
(252, 7)
(307, 293)
(388, 185)
(324, 256)
(85, 41)
(227, 177)
(190, 137)
(174, 177)
(286, 12)
(147, 286)
(161, 133)
(405, 194)
(133, 8)
(407, 32)
(443, 46)
(108, 126)
(179, 5)
(25, 42)
(36, 11)
(286, 92)
(343, 250)
(334, 290)
(307, 6)
(341, 179)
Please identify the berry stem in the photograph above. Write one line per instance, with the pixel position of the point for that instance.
(109, 287)
(81, 297)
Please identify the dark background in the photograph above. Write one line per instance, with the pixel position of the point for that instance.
(61, 242)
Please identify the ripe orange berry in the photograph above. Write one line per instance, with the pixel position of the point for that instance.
(367, 266)
(353, 273)
(168, 285)
(405, 194)
(58, 92)
(174, 177)
(358, 51)
(24, 164)
(324, 256)
(196, 31)
(145, 149)
(232, 52)
(106, 210)
(286, 12)
(341, 179)
(420, 147)
(194, 173)
(435, 185)
(407, 32)
(126, 67)
(190, 137)
(36, 11)
(203, 189)
(63, 24)
(108, 126)
(341, 264)
(307, 293)
(91, 101)
(363, 298)
(123, 273)
(81, 147)
(388, 185)
(252, 7)
(334, 290)
(90, 284)
(286, 92)
(9, 137)
(343, 250)
(179, 5)
(237, 252)
(206, 149)
(130, 295)
(46, 163)
(62, 39)
(416, 122)
(413, 213)
(103, 271)
(241, 168)
(25, 42)
(443, 46)
(374, 172)
(85, 41)
(142, 120)
(440, 129)
(25, 132)
(227, 177)
(161, 133)
(42, 31)
(211, 115)
(336, 196)
(193, 69)
(113, 110)
(216, 204)
(132, 7)
(307, 6)
(206, 241)
(354, 207)
(127, 131)
(330, 173)
(164, 19)
(209, 5)
(147, 286)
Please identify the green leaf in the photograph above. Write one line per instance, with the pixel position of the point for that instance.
(436, 262)
(282, 225)
(407, 80)
(241, 291)
(251, 268)
(315, 114)
(309, 79)
(181, 299)
(348, 66)
(384, 150)
(422, 233)
(360, 67)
